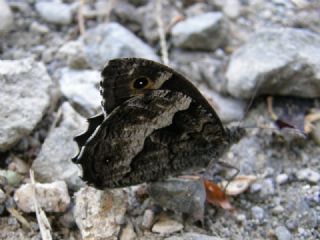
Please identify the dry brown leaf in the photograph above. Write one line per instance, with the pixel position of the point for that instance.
(238, 185)
(216, 196)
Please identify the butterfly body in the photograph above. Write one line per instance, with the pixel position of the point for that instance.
(155, 124)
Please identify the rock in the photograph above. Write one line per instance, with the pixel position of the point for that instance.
(201, 68)
(193, 236)
(3, 197)
(279, 61)
(228, 109)
(207, 32)
(20, 108)
(6, 17)
(128, 233)
(258, 213)
(81, 88)
(13, 178)
(54, 160)
(111, 40)
(51, 197)
(180, 195)
(268, 188)
(54, 12)
(308, 175)
(166, 226)
(74, 53)
(232, 8)
(282, 178)
(99, 214)
(282, 233)
(39, 28)
(148, 219)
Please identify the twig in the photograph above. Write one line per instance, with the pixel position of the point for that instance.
(44, 225)
(162, 34)
(80, 18)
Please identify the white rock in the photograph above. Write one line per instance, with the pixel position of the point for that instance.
(51, 197)
(283, 61)
(25, 95)
(167, 226)
(6, 17)
(207, 31)
(81, 88)
(74, 53)
(111, 40)
(282, 178)
(54, 12)
(98, 214)
(308, 175)
(54, 160)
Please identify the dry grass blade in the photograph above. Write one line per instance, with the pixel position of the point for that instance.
(162, 33)
(80, 18)
(44, 225)
(19, 217)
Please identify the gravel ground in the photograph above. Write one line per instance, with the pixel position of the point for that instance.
(232, 50)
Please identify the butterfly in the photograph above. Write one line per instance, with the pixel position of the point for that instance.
(155, 124)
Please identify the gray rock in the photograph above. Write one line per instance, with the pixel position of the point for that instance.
(6, 17)
(193, 236)
(174, 194)
(201, 67)
(12, 178)
(81, 88)
(51, 197)
(228, 109)
(20, 108)
(258, 213)
(308, 175)
(282, 233)
(207, 31)
(111, 40)
(99, 214)
(166, 226)
(54, 160)
(54, 12)
(279, 61)
(232, 8)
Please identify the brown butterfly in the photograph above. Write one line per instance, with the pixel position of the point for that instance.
(154, 124)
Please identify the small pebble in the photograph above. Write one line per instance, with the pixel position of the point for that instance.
(309, 175)
(2, 196)
(39, 28)
(13, 178)
(282, 178)
(52, 12)
(167, 226)
(282, 233)
(257, 212)
(148, 219)
(277, 210)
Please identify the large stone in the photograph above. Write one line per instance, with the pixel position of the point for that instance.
(6, 17)
(100, 214)
(276, 61)
(54, 12)
(81, 88)
(51, 197)
(54, 160)
(25, 95)
(207, 31)
(111, 40)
